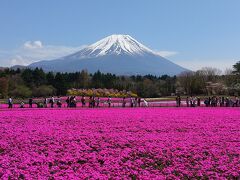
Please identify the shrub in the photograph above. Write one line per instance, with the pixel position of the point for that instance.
(43, 91)
(21, 91)
(101, 93)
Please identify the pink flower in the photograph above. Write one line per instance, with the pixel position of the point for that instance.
(142, 143)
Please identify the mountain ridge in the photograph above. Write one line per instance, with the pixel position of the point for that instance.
(117, 54)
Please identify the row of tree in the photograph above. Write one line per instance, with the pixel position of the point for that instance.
(35, 82)
(210, 81)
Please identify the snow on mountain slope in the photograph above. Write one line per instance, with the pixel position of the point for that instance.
(114, 44)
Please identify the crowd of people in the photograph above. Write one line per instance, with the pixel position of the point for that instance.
(71, 102)
(213, 101)
(222, 101)
(95, 102)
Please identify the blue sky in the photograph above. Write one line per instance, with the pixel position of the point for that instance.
(194, 34)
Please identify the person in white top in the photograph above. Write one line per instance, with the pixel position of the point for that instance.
(145, 103)
(10, 102)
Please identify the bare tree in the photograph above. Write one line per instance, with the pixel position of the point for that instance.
(210, 73)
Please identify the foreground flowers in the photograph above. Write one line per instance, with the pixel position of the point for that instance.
(120, 143)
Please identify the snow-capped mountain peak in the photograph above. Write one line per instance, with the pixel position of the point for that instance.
(117, 54)
(115, 44)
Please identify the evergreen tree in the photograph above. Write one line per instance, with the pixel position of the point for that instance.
(236, 68)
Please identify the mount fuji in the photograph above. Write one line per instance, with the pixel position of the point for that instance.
(117, 54)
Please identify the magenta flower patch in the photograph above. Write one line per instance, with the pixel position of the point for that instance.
(141, 143)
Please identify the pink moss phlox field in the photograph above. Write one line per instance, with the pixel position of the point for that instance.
(141, 143)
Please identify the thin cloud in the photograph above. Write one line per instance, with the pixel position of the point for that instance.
(166, 54)
(33, 45)
(33, 51)
(197, 64)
